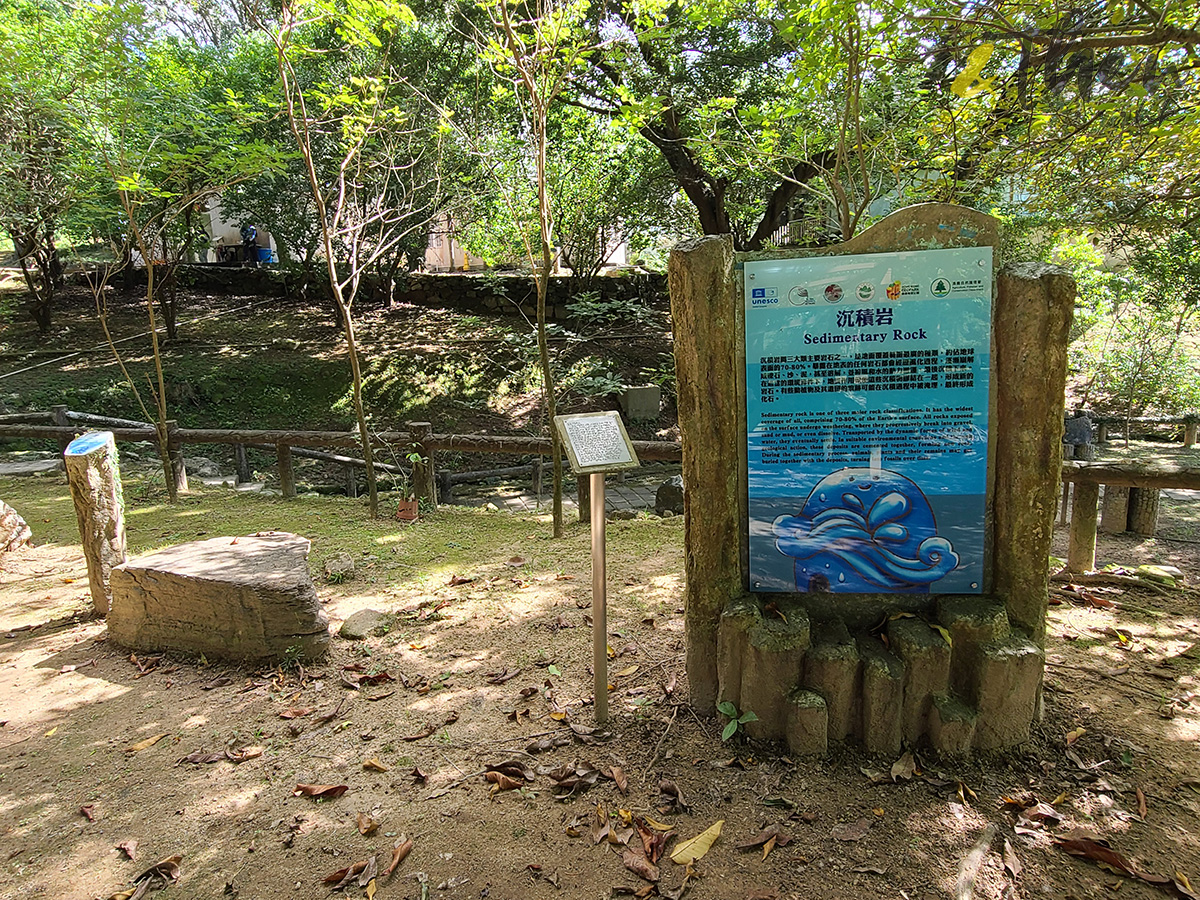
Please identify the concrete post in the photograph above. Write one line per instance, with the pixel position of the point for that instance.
(61, 421)
(287, 478)
(707, 341)
(1034, 306)
(175, 454)
(95, 480)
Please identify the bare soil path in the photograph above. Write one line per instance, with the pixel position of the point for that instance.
(482, 671)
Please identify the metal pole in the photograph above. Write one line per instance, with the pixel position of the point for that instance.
(599, 600)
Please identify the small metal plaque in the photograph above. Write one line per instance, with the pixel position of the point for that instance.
(596, 442)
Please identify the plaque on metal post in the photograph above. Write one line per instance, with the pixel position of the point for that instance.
(596, 442)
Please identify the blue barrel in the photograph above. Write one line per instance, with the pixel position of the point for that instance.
(264, 254)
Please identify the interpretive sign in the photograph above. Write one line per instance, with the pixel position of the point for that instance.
(596, 442)
(867, 421)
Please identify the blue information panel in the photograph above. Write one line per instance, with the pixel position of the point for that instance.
(867, 419)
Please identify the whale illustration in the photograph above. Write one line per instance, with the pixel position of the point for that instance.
(865, 530)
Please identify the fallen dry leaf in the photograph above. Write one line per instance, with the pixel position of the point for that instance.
(366, 825)
(502, 782)
(201, 757)
(636, 862)
(456, 580)
(242, 754)
(617, 774)
(297, 712)
(770, 833)
(871, 868)
(1012, 865)
(342, 877)
(148, 742)
(320, 791)
(167, 869)
(88, 812)
(399, 852)
(852, 831)
(129, 848)
(1141, 801)
(419, 776)
(904, 768)
(695, 848)
(501, 677)
(374, 765)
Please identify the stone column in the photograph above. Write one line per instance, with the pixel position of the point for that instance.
(1143, 510)
(1114, 511)
(712, 429)
(95, 481)
(1033, 309)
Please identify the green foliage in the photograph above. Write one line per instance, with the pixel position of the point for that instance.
(736, 722)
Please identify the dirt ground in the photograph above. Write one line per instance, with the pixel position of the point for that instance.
(1115, 756)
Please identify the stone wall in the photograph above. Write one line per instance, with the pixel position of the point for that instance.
(468, 292)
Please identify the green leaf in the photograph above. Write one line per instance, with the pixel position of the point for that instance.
(727, 733)
(554, 670)
(748, 716)
(726, 708)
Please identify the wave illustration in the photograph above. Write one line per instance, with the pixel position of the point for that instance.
(864, 529)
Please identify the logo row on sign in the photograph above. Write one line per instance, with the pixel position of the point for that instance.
(865, 291)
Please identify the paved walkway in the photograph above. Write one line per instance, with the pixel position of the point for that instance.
(631, 495)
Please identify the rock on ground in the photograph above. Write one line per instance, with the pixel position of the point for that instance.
(363, 624)
(339, 567)
(245, 599)
(14, 532)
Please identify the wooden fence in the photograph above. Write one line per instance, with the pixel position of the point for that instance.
(419, 437)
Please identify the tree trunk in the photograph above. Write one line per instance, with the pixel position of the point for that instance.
(364, 431)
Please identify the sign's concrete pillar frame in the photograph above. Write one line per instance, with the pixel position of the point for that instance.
(960, 668)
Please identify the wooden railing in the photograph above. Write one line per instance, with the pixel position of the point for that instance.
(419, 437)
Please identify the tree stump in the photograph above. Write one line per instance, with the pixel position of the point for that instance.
(1143, 510)
(1114, 511)
(95, 480)
(14, 532)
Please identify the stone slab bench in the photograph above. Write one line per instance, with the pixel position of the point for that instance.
(243, 599)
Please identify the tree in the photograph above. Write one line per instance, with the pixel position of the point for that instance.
(534, 49)
(37, 167)
(373, 165)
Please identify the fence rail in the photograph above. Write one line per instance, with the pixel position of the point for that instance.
(288, 443)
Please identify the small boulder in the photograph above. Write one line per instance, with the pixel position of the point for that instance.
(14, 532)
(339, 567)
(201, 467)
(363, 624)
(669, 496)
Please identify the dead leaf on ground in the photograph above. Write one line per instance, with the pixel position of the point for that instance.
(1075, 734)
(770, 833)
(515, 561)
(502, 782)
(1012, 865)
(618, 776)
(343, 877)
(129, 848)
(399, 852)
(904, 768)
(375, 765)
(166, 869)
(148, 742)
(670, 798)
(242, 754)
(851, 831)
(1042, 813)
(502, 676)
(320, 791)
(635, 861)
(88, 812)
(456, 580)
(654, 841)
(572, 778)
(513, 768)
(693, 849)
(366, 825)
(871, 868)
(201, 757)
(297, 712)
(375, 678)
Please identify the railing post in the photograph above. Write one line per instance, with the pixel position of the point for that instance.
(1081, 550)
(351, 482)
(175, 455)
(424, 480)
(1102, 433)
(287, 478)
(61, 421)
(537, 477)
(241, 464)
(1189, 434)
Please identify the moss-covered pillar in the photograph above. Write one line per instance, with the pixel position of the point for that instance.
(704, 315)
(1031, 319)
